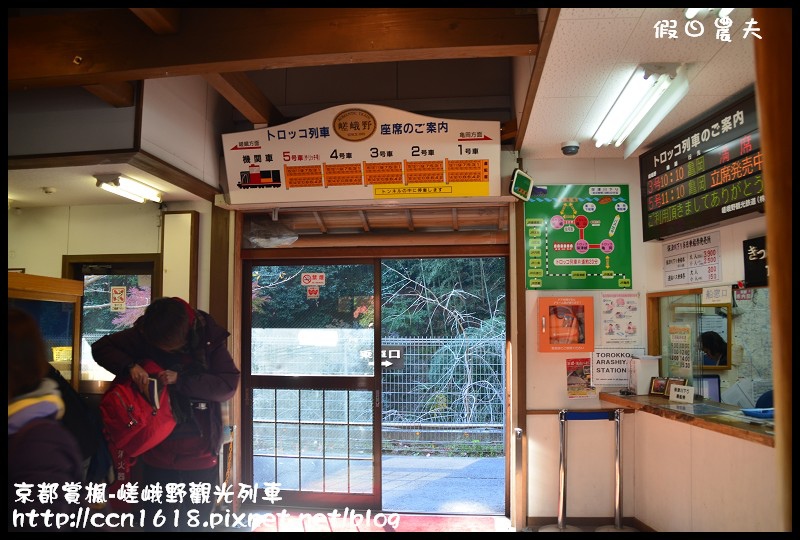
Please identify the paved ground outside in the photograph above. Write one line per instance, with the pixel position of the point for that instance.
(444, 485)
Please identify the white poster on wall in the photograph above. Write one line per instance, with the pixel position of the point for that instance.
(697, 259)
(610, 366)
(620, 319)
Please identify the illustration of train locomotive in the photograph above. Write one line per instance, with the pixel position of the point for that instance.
(256, 178)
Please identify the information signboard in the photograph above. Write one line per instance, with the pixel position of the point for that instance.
(708, 174)
(360, 151)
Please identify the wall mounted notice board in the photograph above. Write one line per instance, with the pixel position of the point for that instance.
(705, 175)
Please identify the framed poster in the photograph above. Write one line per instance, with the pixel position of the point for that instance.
(578, 237)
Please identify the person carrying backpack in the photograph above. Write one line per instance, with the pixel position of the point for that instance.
(199, 374)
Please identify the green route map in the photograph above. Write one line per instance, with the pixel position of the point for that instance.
(578, 237)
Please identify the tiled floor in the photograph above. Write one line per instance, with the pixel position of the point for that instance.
(444, 485)
(420, 494)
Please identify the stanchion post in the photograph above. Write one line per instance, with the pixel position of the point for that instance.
(617, 527)
(562, 481)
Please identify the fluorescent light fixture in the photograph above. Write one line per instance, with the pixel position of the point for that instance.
(677, 90)
(652, 91)
(127, 187)
(702, 13)
(691, 13)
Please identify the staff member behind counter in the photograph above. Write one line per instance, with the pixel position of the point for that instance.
(715, 349)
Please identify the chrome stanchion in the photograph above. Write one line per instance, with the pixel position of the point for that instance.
(617, 526)
(562, 480)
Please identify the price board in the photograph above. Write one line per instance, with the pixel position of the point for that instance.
(692, 260)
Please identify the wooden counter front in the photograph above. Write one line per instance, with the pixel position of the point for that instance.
(712, 415)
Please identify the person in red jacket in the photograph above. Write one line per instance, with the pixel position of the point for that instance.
(200, 374)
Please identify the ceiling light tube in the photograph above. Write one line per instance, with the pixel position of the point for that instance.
(137, 188)
(653, 95)
(635, 89)
(645, 101)
(724, 12)
(128, 188)
(671, 97)
(111, 188)
(691, 13)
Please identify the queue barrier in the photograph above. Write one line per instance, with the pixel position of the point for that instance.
(563, 416)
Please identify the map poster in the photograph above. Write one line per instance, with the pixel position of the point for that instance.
(578, 237)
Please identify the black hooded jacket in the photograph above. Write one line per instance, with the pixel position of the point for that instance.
(214, 383)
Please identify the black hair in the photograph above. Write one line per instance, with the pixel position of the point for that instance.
(714, 343)
(165, 324)
(27, 353)
(171, 324)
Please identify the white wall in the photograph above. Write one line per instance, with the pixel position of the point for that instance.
(38, 237)
(180, 119)
(692, 479)
(591, 444)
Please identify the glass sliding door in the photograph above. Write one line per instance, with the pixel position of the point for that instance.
(311, 411)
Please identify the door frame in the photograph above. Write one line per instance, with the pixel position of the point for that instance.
(142, 263)
(323, 255)
(311, 499)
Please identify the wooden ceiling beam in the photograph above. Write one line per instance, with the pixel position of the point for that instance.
(114, 46)
(120, 94)
(364, 220)
(317, 216)
(245, 96)
(161, 21)
(410, 220)
(545, 40)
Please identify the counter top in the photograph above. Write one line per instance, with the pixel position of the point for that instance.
(713, 415)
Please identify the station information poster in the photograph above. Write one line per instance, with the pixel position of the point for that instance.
(363, 152)
(578, 237)
(579, 379)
